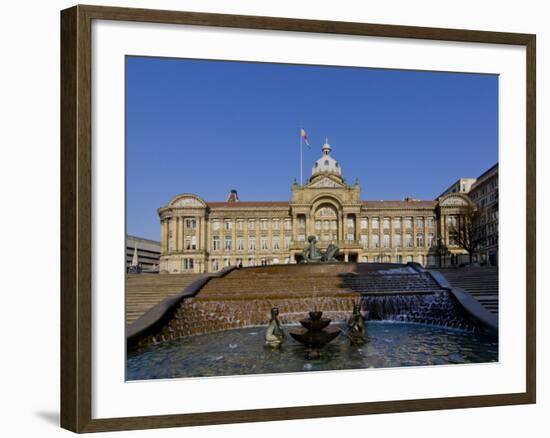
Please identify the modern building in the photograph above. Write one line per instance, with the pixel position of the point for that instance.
(462, 185)
(484, 192)
(205, 236)
(148, 252)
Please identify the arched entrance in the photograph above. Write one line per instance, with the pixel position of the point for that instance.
(326, 223)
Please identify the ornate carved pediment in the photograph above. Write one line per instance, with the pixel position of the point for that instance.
(454, 201)
(187, 201)
(326, 183)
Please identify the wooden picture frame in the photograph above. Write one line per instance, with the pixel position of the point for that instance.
(76, 217)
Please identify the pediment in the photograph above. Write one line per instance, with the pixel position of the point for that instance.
(187, 201)
(326, 182)
(454, 201)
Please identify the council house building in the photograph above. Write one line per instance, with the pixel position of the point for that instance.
(204, 236)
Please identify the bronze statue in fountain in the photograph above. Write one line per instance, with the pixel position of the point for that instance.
(357, 330)
(274, 334)
(312, 254)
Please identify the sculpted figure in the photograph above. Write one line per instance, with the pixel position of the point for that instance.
(357, 330)
(274, 334)
(331, 253)
(311, 253)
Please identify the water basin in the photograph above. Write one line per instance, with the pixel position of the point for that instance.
(242, 351)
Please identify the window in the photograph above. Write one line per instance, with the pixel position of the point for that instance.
(188, 244)
(408, 222)
(228, 243)
(287, 242)
(350, 237)
(397, 222)
(351, 222)
(374, 222)
(430, 222)
(301, 237)
(409, 258)
(228, 225)
(399, 259)
(301, 221)
(193, 242)
(419, 222)
(215, 243)
(364, 223)
(215, 265)
(276, 224)
(251, 262)
(326, 225)
(215, 225)
(252, 224)
(419, 239)
(263, 244)
(397, 240)
(386, 223)
(276, 243)
(386, 259)
(240, 225)
(240, 244)
(386, 240)
(252, 244)
(333, 225)
(325, 237)
(430, 239)
(376, 259)
(408, 240)
(375, 241)
(452, 239)
(188, 264)
(452, 221)
(288, 224)
(364, 241)
(317, 225)
(263, 224)
(190, 223)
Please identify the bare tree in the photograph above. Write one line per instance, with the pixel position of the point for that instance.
(465, 232)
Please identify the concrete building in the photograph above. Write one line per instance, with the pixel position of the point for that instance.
(148, 252)
(204, 236)
(462, 185)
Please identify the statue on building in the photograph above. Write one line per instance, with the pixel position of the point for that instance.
(274, 334)
(357, 330)
(312, 254)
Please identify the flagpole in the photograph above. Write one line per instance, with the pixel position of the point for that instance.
(301, 147)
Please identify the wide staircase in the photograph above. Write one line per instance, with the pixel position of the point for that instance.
(480, 282)
(297, 281)
(143, 291)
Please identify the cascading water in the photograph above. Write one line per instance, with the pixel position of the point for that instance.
(437, 308)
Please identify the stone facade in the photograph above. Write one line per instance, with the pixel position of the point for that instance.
(202, 236)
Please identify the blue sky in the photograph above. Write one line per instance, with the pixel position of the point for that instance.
(206, 127)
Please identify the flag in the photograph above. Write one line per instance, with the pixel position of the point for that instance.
(304, 136)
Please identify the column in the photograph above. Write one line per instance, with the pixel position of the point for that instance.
(162, 237)
(202, 237)
(180, 234)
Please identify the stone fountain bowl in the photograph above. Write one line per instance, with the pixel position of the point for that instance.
(316, 339)
(315, 324)
(315, 315)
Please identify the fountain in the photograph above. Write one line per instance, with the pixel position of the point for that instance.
(317, 332)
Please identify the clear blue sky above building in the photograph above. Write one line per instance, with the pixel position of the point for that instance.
(206, 127)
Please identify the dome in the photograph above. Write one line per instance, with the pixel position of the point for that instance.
(326, 164)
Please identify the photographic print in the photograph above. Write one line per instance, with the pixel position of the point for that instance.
(289, 218)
